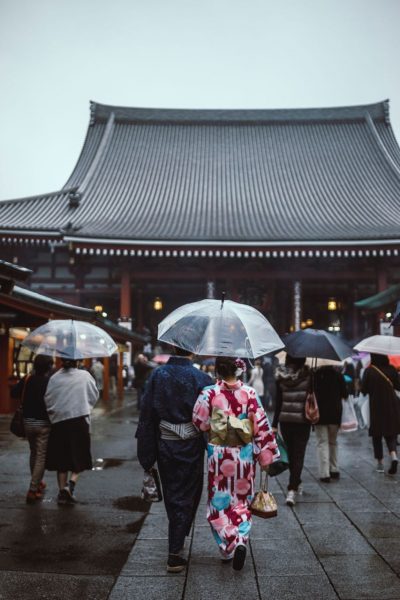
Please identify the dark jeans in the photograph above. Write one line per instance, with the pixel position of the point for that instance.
(391, 441)
(295, 436)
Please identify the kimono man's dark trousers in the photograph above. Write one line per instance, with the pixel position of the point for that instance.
(180, 464)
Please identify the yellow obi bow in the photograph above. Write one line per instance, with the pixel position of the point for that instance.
(228, 430)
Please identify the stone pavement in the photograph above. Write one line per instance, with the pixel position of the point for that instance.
(342, 540)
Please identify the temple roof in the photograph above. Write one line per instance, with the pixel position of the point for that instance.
(295, 177)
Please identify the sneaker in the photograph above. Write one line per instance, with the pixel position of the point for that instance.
(325, 479)
(291, 498)
(176, 563)
(393, 467)
(300, 490)
(239, 557)
(334, 475)
(380, 468)
(42, 486)
(65, 497)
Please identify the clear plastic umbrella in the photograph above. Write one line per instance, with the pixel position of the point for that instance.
(380, 344)
(215, 328)
(70, 339)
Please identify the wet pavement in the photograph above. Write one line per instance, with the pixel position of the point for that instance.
(342, 539)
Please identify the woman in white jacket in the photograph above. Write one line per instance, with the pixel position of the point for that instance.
(70, 396)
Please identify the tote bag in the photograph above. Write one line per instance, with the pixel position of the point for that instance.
(349, 418)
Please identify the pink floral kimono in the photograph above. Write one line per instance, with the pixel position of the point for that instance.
(239, 434)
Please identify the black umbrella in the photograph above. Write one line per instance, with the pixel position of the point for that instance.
(316, 343)
(396, 318)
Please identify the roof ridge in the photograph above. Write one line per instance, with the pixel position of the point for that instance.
(99, 155)
(39, 196)
(381, 145)
(101, 113)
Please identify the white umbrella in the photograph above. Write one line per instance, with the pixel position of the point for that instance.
(70, 339)
(215, 328)
(380, 344)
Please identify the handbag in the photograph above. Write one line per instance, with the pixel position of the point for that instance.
(151, 490)
(311, 410)
(17, 426)
(264, 504)
(349, 420)
(277, 467)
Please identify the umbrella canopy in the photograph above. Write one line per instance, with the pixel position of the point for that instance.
(380, 344)
(70, 339)
(316, 343)
(215, 328)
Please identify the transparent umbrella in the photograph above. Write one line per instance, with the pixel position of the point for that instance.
(70, 339)
(215, 328)
(380, 344)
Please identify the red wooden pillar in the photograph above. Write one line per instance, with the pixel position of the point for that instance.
(106, 379)
(120, 384)
(381, 284)
(125, 298)
(6, 364)
(139, 321)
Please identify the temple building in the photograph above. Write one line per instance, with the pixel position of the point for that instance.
(293, 211)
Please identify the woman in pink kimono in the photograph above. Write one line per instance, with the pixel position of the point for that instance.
(239, 435)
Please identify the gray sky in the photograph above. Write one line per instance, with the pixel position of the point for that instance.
(56, 55)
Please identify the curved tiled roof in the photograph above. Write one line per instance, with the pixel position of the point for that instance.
(225, 177)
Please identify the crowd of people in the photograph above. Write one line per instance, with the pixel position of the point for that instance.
(220, 406)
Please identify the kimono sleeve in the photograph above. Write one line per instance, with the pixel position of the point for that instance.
(202, 410)
(147, 430)
(264, 443)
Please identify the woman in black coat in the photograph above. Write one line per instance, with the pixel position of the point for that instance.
(380, 381)
(330, 388)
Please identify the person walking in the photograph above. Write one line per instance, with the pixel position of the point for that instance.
(70, 396)
(97, 371)
(166, 436)
(239, 435)
(30, 391)
(293, 383)
(329, 387)
(257, 380)
(380, 380)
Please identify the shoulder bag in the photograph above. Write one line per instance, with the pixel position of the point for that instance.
(17, 426)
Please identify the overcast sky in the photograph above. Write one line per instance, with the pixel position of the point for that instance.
(56, 55)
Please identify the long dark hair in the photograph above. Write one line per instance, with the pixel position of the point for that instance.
(42, 364)
(225, 367)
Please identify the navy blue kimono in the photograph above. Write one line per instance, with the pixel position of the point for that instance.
(170, 394)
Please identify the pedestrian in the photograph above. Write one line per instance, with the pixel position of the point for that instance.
(256, 380)
(166, 436)
(97, 370)
(380, 380)
(30, 391)
(71, 394)
(239, 435)
(293, 384)
(329, 387)
(142, 370)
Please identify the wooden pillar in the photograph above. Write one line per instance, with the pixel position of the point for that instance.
(6, 364)
(381, 284)
(120, 383)
(139, 313)
(106, 379)
(125, 298)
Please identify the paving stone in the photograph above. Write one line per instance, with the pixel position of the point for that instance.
(18, 585)
(220, 582)
(336, 540)
(320, 513)
(377, 525)
(148, 557)
(361, 577)
(303, 587)
(281, 561)
(169, 587)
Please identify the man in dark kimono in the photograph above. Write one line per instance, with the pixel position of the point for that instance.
(166, 435)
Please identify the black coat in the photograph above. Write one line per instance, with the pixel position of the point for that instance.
(33, 406)
(384, 405)
(330, 388)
